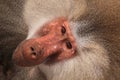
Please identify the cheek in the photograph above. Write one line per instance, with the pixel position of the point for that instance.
(56, 43)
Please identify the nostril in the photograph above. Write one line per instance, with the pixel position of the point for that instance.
(63, 30)
(68, 44)
(34, 53)
(32, 49)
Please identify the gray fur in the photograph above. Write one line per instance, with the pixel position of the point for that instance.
(95, 25)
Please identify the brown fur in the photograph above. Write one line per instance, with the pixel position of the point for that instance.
(94, 23)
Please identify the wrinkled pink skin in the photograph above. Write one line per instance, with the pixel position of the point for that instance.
(50, 47)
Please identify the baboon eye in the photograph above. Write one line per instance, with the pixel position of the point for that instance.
(63, 30)
(68, 44)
